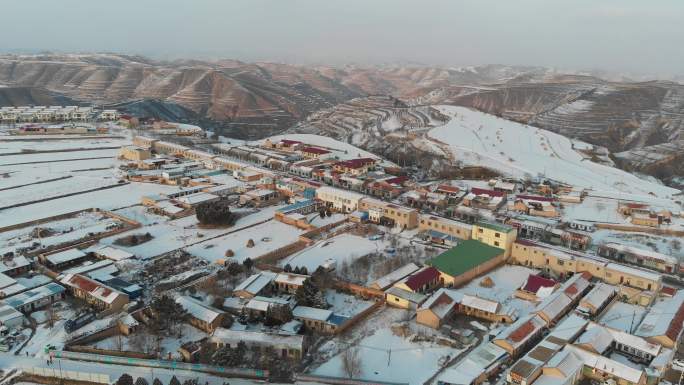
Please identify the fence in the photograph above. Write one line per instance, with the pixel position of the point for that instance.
(68, 375)
(359, 317)
(107, 352)
(341, 381)
(638, 229)
(275, 255)
(172, 365)
(318, 231)
(359, 290)
(94, 336)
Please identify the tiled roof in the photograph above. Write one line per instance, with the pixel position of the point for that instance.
(315, 150)
(423, 277)
(355, 163)
(675, 326)
(522, 332)
(447, 188)
(535, 282)
(491, 193)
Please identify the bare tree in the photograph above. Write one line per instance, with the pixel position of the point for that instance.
(50, 315)
(351, 363)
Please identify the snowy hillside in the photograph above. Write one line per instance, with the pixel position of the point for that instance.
(519, 150)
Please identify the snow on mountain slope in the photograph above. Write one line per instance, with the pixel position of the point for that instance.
(519, 150)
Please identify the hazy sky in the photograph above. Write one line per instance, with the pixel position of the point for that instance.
(622, 35)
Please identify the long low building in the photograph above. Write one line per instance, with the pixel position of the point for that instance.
(102, 297)
(445, 303)
(447, 226)
(287, 346)
(36, 298)
(564, 262)
(338, 199)
(640, 257)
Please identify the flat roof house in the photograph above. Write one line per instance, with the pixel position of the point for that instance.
(495, 234)
(10, 317)
(64, 258)
(286, 345)
(36, 298)
(341, 200)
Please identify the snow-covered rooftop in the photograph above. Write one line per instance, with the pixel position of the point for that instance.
(198, 310)
(114, 253)
(65, 256)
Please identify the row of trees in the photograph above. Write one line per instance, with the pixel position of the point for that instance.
(127, 379)
(255, 357)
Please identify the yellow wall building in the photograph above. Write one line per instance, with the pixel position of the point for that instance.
(565, 263)
(495, 234)
(456, 229)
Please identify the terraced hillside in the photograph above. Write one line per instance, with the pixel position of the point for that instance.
(243, 99)
(619, 116)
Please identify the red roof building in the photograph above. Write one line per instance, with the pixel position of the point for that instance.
(535, 282)
(355, 163)
(314, 151)
(423, 279)
(288, 142)
(491, 193)
(669, 291)
(448, 189)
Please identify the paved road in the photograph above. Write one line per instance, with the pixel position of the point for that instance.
(8, 361)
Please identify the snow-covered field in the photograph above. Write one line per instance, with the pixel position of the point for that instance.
(65, 230)
(342, 248)
(385, 356)
(14, 146)
(519, 150)
(121, 196)
(267, 237)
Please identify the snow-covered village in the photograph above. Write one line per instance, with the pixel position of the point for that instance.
(385, 192)
(161, 250)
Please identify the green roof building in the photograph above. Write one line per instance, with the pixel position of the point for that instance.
(466, 261)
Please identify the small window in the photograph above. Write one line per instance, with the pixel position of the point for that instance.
(497, 235)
